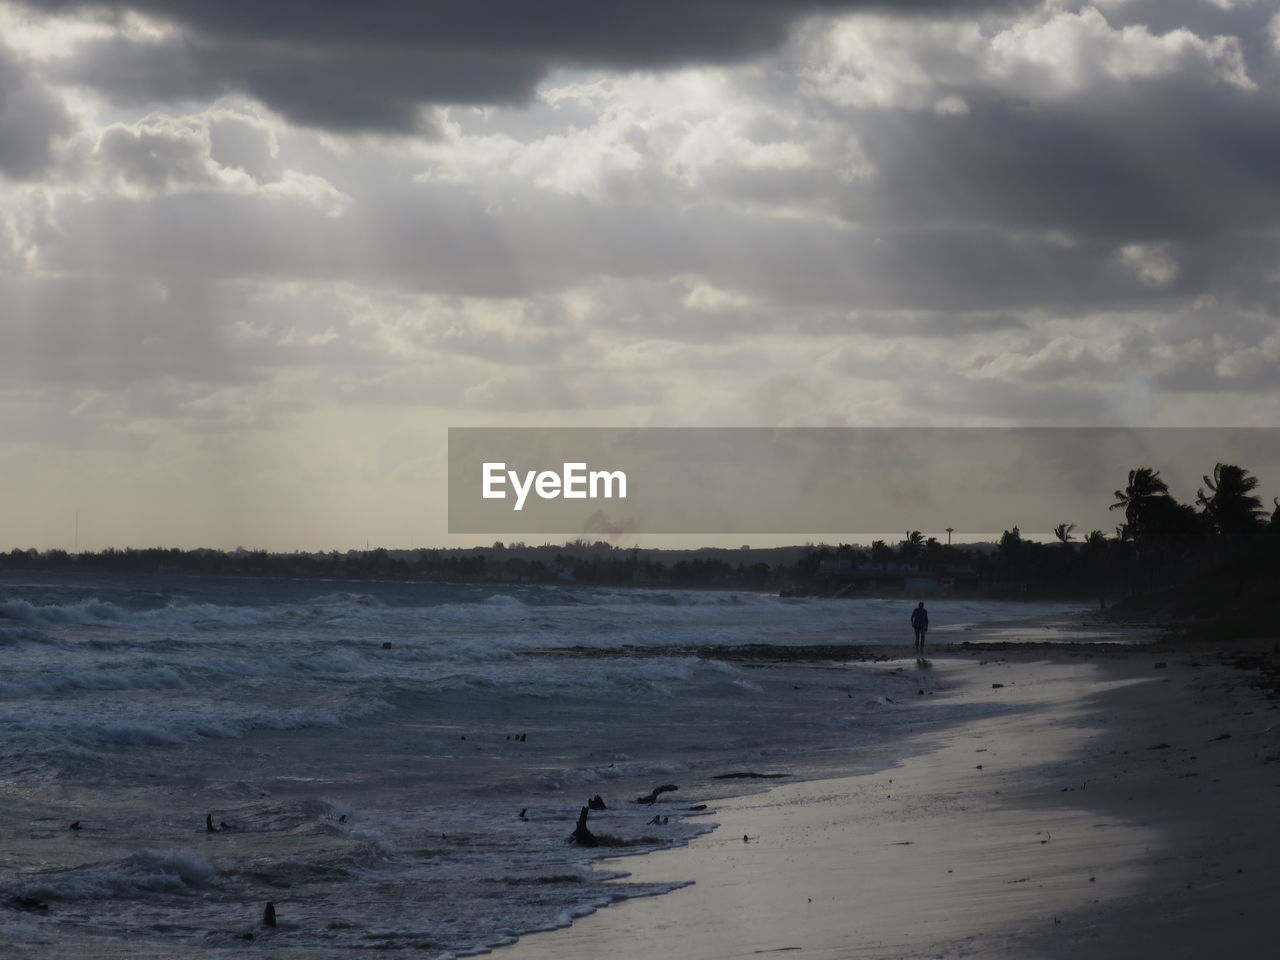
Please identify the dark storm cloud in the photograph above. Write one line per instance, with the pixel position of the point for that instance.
(1155, 161)
(340, 88)
(31, 118)
(371, 66)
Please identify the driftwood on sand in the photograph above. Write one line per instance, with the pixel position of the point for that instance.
(583, 836)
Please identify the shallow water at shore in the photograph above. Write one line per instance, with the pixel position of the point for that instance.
(372, 746)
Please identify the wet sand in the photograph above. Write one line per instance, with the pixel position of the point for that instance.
(1102, 814)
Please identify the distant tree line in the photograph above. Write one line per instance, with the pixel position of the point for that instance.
(1226, 536)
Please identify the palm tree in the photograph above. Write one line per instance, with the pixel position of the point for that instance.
(1230, 505)
(912, 547)
(1139, 500)
(1063, 532)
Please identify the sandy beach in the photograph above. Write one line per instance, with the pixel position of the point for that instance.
(1122, 804)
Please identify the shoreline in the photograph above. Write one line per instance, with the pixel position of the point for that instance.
(1101, 814)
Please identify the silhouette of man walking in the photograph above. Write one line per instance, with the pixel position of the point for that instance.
(920, 624)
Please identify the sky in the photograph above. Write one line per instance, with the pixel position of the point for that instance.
(256, 259)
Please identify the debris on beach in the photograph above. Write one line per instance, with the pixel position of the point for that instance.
(583, 836)
(750, 775)
(652, 797)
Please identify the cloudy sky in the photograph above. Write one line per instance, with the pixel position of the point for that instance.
(256, 258)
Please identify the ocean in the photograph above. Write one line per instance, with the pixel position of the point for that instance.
(399, 766)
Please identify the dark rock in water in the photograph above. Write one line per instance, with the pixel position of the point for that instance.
(224, 825)
(208, 824)
(597, 803)
(30, 903)
(74, 826)
(269, 915)
(343, 818)
(523, 812)
(386, 645)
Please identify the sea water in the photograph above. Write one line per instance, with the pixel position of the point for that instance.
(399, 765)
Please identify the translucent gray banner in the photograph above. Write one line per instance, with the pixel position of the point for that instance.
(828, 481)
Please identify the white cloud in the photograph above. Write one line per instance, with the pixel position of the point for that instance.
(709, 298)
(1070, 52)
(629, 137)
(874, 61)
(217, 150)
(1152, 264)
(1256, 362)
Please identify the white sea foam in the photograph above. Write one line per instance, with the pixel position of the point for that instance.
(145, 872)
(10, 636)
(139, 678)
